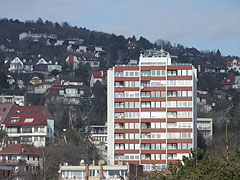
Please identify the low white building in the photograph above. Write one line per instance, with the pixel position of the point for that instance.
(205, 126)
(12, 99)
(99, 172)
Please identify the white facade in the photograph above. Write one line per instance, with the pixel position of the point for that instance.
(205, 126)
(152, 104)
(16, 65)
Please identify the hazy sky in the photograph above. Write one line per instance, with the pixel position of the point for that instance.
(204, 24)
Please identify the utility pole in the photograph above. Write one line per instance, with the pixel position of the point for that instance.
(226, 130)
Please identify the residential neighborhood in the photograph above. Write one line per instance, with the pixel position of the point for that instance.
(77, 104)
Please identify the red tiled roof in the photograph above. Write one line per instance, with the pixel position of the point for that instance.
(229, 80)
(20, 149)
(99, 75)
(132, 44)
(206, 96)
(39, 114)
(229, 64)
(4, 111)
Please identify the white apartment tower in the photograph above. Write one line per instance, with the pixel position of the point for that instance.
(151, 111)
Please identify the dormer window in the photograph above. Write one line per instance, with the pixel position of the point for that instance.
(15, 119)
(36, 111)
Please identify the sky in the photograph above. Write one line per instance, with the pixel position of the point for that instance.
(204, 24)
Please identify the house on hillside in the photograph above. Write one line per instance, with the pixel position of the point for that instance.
(131, 46)
(234, 65)
(203, 67)
(230, 82)
(35, 37)
(33, 125)
(45, 67)
(23, 65)
(16, 65)
(100, 76)
(74, 60)
(47, 83)
(76, 95)
(24, 80)
(18, 159)
(204, 101)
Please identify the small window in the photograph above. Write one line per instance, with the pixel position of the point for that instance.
(4, 109)
(36, 111)
(30, 112)
(13, 120)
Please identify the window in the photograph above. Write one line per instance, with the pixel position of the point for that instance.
(119, 104)
(28, 120)
(26, 129)
(119, 146)
(146, 104)
(145, 94)
(131, 115)
(131, 104)
(145, 73)
(146, 136)
(172, 93)
(145, 83)
(35, 129)
(119, 136)
(172, 145)
(145, 125)
(131, 83)
(15, 119)
(171, 156)
(158, 72)
(131, 94)
(119, 83)
(119, 115)
(145, 146)
(131, 73)
(118, 94)
(172, 72)
(172, 114)
(157, 83)
(158, 94)
(172, 125)
(118, 73)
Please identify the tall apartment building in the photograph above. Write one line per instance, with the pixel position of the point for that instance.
(151, 111)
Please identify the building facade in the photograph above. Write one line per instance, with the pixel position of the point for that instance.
(99, 172)
(205, 126)
(32, 125)
(151, 111)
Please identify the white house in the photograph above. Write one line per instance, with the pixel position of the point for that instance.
(16, 65)
(100, 76)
